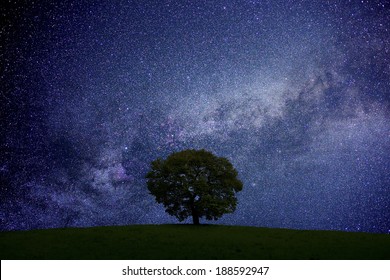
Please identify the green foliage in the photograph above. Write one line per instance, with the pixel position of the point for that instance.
(194, 183)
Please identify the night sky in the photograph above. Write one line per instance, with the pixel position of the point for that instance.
(296, 94)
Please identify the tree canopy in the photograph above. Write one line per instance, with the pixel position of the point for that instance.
(194, 183)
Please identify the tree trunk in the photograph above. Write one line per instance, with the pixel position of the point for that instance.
(195, 218)
(194, 213)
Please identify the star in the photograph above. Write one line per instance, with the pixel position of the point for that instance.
(294, 94)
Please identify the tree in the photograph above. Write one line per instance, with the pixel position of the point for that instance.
(194, 183)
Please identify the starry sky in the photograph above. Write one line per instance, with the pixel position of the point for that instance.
(296, 94)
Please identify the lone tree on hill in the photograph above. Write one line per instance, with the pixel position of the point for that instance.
(194, 183)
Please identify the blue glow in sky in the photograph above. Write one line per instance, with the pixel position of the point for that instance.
(294, 93)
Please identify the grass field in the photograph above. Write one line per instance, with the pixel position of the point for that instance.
(191, 242)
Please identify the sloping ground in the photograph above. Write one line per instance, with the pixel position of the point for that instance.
(191, 242)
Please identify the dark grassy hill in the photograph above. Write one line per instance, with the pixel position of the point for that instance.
(191, 242)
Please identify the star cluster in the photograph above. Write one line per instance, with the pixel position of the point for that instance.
(294, 93)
